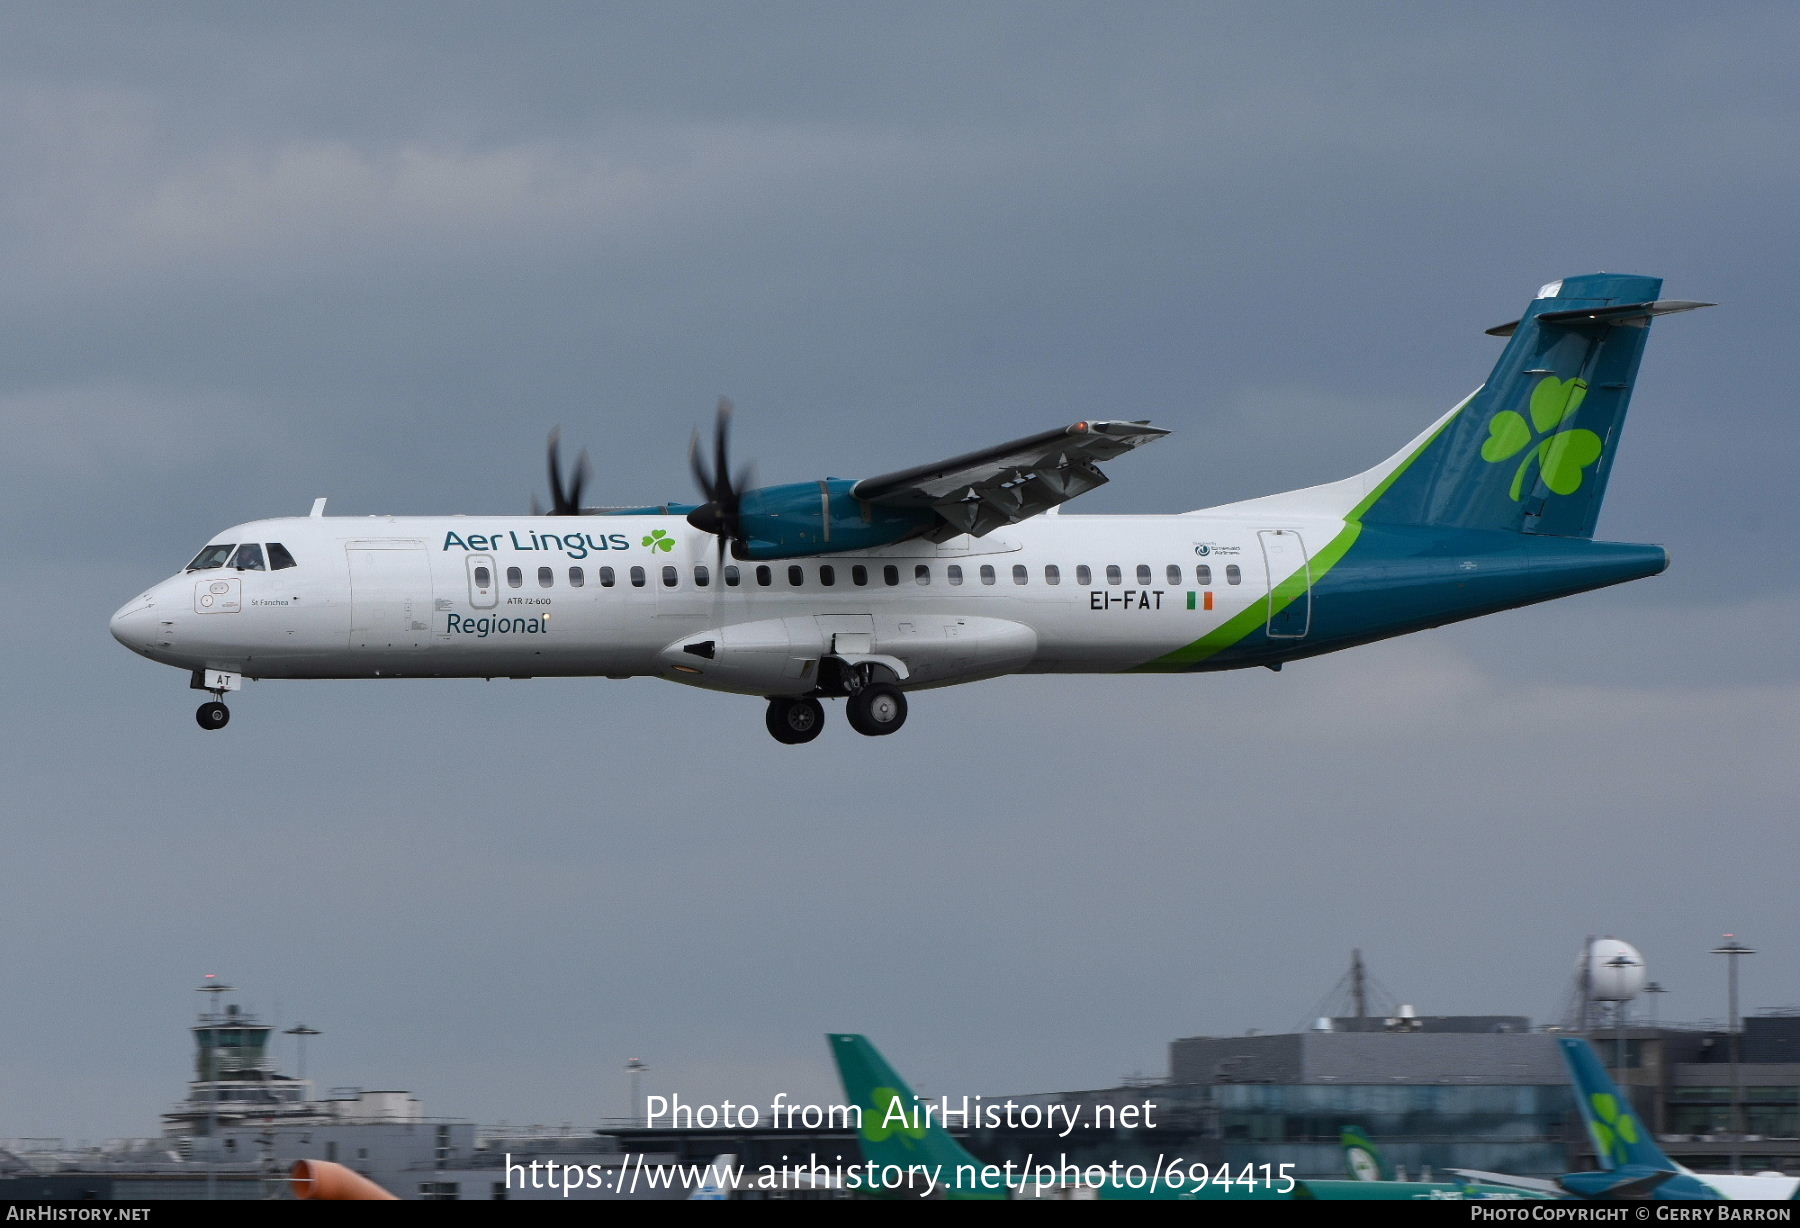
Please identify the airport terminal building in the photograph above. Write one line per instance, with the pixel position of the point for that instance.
(1436, 1092)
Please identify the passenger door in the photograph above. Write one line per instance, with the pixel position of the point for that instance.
(1284, 554)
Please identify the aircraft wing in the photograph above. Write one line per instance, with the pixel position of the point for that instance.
(1535, 1185)
(978, 492)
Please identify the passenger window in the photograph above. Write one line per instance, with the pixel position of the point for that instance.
(1174, 574)
(764, 577)
(514, 577)
(577, 577)
(859, 575)
(987, 574)
(1144, 574)
(671, 577)
(1232, 574)
(796, 576)
(483, 578)
(827, 574)
(890, 575)
(702, 577)
(1113, 574)
(732, 578)
(211, 557)
(1051, 574)
(637, 577)
(921, 574)
(248, 558)
(546, 577)
(1083, 575)
(1203, 573)
(279, 558)
(953, 574)
(606, 577)
(1020, 575)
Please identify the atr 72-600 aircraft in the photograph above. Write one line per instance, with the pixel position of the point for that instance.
(947, 573)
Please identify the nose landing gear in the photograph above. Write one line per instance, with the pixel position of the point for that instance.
(214, 714)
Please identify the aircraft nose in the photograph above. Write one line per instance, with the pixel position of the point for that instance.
(134, 623)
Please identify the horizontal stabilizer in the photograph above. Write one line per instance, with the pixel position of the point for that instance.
(1628, 313)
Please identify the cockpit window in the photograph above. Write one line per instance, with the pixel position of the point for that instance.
(249, 557)
(279, 558)
(212, 556)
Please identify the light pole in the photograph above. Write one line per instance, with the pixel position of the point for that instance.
(1620, 961)
(1731, 948)
(302, 1031)
(213, 986)
(635, 1068)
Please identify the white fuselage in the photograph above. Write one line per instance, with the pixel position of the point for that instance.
(480, 596)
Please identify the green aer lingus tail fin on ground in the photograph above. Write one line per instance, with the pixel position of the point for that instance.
(897, 1131)
(1362, 1158)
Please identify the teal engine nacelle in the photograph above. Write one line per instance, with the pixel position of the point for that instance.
(803, 518)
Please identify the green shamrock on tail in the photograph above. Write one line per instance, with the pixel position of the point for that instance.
(1561, 455)
(1616, 1126)
(659, 540)
(889, 1106)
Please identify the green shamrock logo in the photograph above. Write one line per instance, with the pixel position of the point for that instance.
(1561, 455)
(659, 540)
(1615, 1128)
(889, 1106)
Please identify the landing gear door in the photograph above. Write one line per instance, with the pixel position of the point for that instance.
(1290, 583)
(484, 582)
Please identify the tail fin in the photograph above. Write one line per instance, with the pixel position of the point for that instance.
(1531, 451)
(1362, 1158)
(1620, 1139)
(896, 1130)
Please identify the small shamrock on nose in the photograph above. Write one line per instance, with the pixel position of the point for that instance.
(1615, 1125)
(659, 540)
(1561, 455)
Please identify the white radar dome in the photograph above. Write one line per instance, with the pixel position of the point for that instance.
(1615, 970)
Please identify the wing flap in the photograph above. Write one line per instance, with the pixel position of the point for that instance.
(979, 492)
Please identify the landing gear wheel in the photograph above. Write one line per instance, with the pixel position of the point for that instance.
(212, 715)
(877, 709)
(793, 721)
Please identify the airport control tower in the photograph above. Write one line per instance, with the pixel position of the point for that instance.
(235, 1081)
(236, 1084)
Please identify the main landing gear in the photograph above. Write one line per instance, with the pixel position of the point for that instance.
(793, 721)
(873, 708)
(877, 709)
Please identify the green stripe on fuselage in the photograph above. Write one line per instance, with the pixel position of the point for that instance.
(1256, 616)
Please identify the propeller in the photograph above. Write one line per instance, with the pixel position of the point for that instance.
(564, 500)
(720, 515)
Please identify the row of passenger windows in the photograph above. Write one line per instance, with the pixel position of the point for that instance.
(826, 575)
(247, 557)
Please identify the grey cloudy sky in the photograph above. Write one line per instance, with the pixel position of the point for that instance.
(254, 255)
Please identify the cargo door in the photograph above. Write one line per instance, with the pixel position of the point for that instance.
(390, 594)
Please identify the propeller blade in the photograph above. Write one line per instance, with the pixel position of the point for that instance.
(565, 500)
(721, 512)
